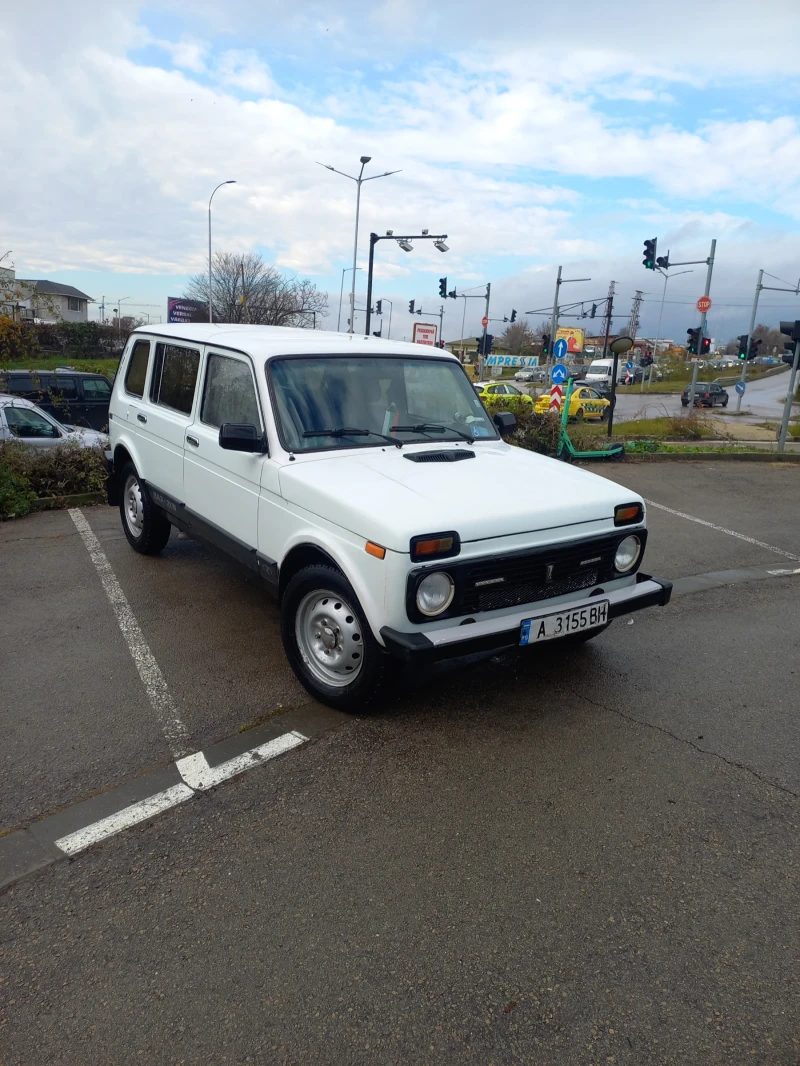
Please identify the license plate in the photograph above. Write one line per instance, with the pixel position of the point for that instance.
(551, 626)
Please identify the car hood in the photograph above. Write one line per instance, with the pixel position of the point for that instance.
(381, 495)
(89, 438)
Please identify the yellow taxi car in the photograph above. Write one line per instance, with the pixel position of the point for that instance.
(584, 403)
(500, 389)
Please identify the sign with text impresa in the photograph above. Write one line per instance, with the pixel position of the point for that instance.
(513, 360)
(180, 310)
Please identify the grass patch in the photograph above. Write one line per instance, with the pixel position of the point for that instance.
(680, 427)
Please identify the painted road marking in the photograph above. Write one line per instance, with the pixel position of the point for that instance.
(124, 819)
(196, 772)
(722, 529)
(172, 725)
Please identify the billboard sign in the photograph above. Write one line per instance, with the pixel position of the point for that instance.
(424, 333)
(512, 360)
(574, 336)
(180, 310)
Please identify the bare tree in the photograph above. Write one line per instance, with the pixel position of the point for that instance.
(517, 337)
(246, 289)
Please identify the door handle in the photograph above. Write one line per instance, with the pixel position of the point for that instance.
(142, 418)
(193, 440)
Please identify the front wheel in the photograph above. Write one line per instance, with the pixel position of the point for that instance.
(145, 526)
(328, 641)
(579, 415)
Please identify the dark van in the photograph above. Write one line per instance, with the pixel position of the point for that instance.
(74, 397)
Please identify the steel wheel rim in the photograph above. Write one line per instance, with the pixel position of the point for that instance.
(329, 638)
(134, 506)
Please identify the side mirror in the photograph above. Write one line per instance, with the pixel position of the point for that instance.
(506, 422)
(238, 437)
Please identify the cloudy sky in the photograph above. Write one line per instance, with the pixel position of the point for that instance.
(532, 134)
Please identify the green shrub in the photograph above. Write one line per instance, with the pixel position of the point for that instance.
(65, 470)
(17, 341)
(517, 406)
(15, 494)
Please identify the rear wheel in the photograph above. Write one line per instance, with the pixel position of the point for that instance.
(145, 526)
(328, 641)
(579, 415)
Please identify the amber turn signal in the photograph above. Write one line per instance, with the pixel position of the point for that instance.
(375, 549)
(627, 514)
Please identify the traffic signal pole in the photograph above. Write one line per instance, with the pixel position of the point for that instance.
(749, 338)
(702, 331)
(483, 338)
(554, 318)
(787, 407)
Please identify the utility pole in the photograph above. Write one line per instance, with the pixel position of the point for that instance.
(483, 341)
(554, 318)
(609, 310)
(634, 324)
(702, 330)
(787, 407)
(441, 323)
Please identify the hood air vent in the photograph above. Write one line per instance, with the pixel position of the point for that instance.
(450, 456)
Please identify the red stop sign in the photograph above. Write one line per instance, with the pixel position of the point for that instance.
(484, 321)
(704, 304)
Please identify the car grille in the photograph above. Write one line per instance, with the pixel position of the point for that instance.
(527, 577)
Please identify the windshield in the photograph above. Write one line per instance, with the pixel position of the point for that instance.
(600, 366)
(406, 399)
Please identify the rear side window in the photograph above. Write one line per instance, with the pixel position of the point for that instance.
(65, 388)
(229, 394)
(137, 368)
(96, 389)
(175, 377)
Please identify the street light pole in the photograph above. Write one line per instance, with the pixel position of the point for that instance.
(660, 314)
(364, 159)
(341, 297)
(211, 197)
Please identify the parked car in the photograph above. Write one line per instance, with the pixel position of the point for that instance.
(351, 474)
(584, 403)
(577, 371)
(501, 388)
(534, 374)
(74, 396)
(23, 421)
(706, 394)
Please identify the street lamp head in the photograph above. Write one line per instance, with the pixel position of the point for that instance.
(425, 232)
(390, 233)
(365, 159)
(441, 246)
(407, 246)
(231, 182)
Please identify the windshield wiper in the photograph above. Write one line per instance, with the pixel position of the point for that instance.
(430, 427)
(350, 431)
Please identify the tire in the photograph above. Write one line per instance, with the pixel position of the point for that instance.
(684, 403)
(145, 526)
(579, 416)
(604, 414)
(725, 402)
(326, 638)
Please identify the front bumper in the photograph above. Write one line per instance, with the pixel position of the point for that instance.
(424, 649)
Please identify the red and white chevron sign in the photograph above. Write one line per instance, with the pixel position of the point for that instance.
(555, 398)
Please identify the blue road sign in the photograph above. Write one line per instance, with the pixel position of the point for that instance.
(629, 365)
(740, 387)
(560, 349)
(558, 375)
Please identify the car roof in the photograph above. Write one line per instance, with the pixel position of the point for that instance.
(17, 401)
(266, 342)
(59, 370)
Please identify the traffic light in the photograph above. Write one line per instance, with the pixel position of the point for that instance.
(649, 261)
(647, 359)
(485, 344)
(411, 306)
(452, 294)
(443, 288)
(593, 311)
(705, 347)
(379, 307)
(545, 344)
(513, 315)
(742, 353)
(753, 352)
(663, 262)
(692, 342)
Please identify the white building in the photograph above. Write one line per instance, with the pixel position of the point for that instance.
(53, 301)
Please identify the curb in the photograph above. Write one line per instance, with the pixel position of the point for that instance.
(65, 834)
(81, 499)
(747, 457)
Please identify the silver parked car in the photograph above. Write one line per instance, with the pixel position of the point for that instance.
(531, 374)
(23, 421)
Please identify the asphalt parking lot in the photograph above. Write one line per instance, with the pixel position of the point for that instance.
(541, 858)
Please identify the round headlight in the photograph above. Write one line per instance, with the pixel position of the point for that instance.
(435, 593)
(628, 552)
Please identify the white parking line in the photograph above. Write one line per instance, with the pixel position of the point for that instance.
(722, 529)
(72, 843)
(172, 725)
(196, 772)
